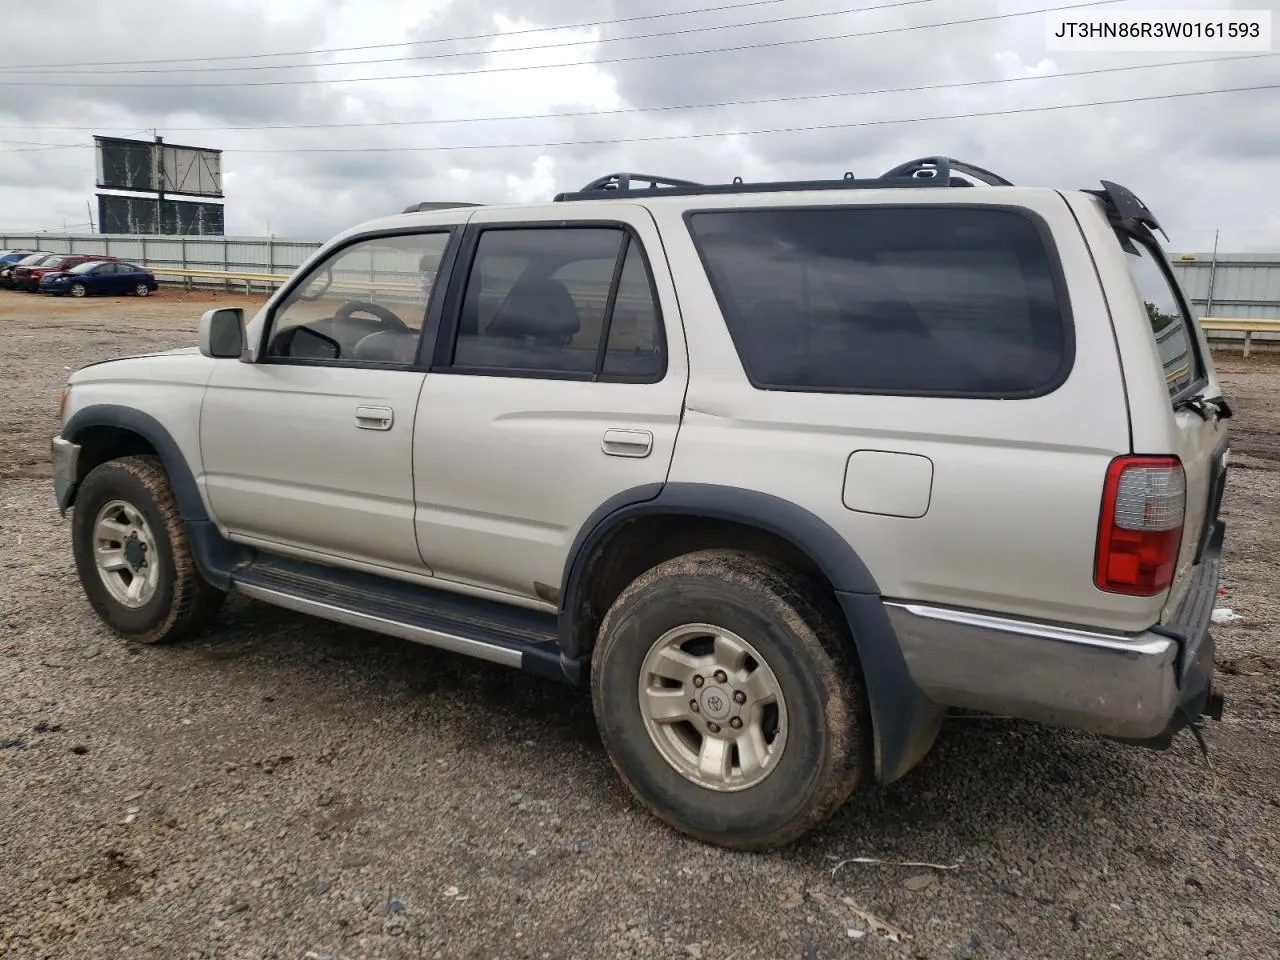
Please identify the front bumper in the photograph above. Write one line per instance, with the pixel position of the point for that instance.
(66, 457)
(1138, 688)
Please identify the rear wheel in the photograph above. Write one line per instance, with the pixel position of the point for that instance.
(132, 556)
(141, 290)
(79, 289)
(728, 701)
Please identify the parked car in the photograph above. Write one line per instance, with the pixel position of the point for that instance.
(13, 256)
(30, 279)
(780, 472)
(115, 277)
(6, 270)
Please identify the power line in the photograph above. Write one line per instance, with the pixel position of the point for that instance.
(770, 130)
(693, 106)
(684, 31)
(582, 63)
(20, 68)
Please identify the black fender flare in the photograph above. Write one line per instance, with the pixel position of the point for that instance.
(904, 721)
(183, 482)
(214, 555)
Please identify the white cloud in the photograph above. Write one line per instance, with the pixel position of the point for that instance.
(1202, 163)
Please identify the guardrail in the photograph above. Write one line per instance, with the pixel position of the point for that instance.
(248, 279)
(1246, 325)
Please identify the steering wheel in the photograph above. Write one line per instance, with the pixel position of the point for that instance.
(373, 309)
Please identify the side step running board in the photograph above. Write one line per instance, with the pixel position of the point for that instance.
(511, 636)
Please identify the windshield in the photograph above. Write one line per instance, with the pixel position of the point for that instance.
(86, 267)
(32, 260)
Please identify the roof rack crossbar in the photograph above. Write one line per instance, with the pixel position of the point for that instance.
(623, 181)
(941, 168)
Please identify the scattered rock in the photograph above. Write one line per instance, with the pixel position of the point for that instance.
(791, 899)
(47, 727)
(322, 887)
(79, 749)
(694, 950)
(919, 882)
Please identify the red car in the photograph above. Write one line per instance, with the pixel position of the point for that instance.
(28, 278)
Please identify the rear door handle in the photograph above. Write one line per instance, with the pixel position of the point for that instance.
(627, 443)
(374, 418)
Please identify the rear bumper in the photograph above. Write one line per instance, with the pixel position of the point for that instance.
(1138, 688)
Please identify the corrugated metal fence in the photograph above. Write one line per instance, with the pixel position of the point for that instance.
(232, 254)
(1230, 285)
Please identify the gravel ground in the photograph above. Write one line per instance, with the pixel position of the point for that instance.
(283, 788)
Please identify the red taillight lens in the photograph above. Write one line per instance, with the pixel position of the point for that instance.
(1140, 531)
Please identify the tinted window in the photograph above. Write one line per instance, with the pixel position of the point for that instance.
(539, 300)
(913, 300)
(635, 331)
(1169, 325)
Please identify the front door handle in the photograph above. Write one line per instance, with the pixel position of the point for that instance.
(374, 418)
(627, 443)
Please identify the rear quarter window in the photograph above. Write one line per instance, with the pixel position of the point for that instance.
(1170, 324)
(948, 300)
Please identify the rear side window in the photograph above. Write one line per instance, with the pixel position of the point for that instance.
(1170, 326)
(953, 301)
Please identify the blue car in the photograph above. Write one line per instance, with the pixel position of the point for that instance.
(100, 277)
(13, 256)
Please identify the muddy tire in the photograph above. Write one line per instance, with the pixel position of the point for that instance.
(132, 556)
(728, 700)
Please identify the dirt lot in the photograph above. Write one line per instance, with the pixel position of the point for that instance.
(281, 788)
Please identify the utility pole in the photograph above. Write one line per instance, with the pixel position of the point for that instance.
(89, 210)
(160, 182)
(1213, 268)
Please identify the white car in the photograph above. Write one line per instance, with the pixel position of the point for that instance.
(781, 471)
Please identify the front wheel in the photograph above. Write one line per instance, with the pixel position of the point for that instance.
(141, 290)
(728, 700)
(131, 553)
(79, 289)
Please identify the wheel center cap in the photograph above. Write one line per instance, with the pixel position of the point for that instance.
(716, 703)
(134, 552)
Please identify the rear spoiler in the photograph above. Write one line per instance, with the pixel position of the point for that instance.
(1124, 208)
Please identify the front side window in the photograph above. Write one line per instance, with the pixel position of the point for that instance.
(364, 303)
(1170, 326)
(916, 300)
(560, 302)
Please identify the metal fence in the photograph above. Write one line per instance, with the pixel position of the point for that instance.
(229, 254)
(1223, 285)
(1239, 285)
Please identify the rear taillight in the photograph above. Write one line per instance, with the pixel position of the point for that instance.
(1140, 530)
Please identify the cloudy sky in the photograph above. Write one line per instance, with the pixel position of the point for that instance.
(312, 146)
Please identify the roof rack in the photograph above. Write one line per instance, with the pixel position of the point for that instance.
(923, 172)
(427, 205)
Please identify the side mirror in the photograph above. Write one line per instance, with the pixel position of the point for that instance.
(222, 332)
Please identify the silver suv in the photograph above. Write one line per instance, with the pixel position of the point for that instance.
(780, 471)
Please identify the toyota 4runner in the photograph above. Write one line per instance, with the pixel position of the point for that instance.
(780, 471)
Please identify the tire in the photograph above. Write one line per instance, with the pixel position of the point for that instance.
(174, 600)
(79, 289)
(141, 290)
(821, 746)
